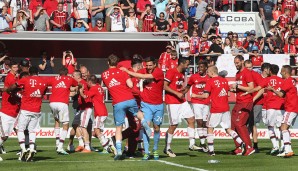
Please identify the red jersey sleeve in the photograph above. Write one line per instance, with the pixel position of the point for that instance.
(21, 82)
(157, 74)
(208, 87)
(89, 93)
(263, 83)
(190, 81)
(286, 86)
(74, 83)
(169, 76)
(248, 77)
(9, 80)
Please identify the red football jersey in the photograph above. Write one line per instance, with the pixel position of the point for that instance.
(272, 100)
(172, 63)
(97, 95)
(289, 49)
(257, 61)
(10, 102)
(34, 89)
(61, 88)
(257, 81)
(136, 88)
(84, 103)
(115, 81)
(290, 4)
(291, 98)
(198, 84)
(218, 89)
(152, 91)
(176, 81)
(283, 20)
(242, 78)
(163, 60)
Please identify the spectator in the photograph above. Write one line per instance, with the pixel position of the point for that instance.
(230, 35)
(266, 11)
(256, 59)
(162, 25)
(82, 9)
(46, 64)
(147, 18)
(236, 39)
(4, 61)
(204, 48)
(227, 5)
(172, 61)
(41, 20)
(216, 47)
(172, 5)
(209, 17)
(174, 26)
(184, 47)
(227, 46)
(173, 16)
(50, 6)
(200, 9)
(20, 21)
(99, 26)
(126, 5)
(109, 6)
(82, 26)
(69, 61)
(131, 22)
(214, 29)
(59, 18)
(290, 49)
(96, 10)
(251, 41)
(116, 19)
(33, 8)
(16, 5)
(277, 50)
(5, 18)
(289, 4)
(164, 57)
(267, 44)
(195, 27)
(195, 44)
(284, 19)
(144, 7)
(160, 6)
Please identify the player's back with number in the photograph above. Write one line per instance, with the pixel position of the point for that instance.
(96, 93)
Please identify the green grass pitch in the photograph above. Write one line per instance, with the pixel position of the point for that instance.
(47, 159)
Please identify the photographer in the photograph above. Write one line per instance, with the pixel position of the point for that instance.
(116, 19)
(209, 17)
(41, 20)
(267, 44)
(5, 18)
(46, 64)
(250, 41)
(69, 62)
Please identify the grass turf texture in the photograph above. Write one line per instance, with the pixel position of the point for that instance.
(48, 159)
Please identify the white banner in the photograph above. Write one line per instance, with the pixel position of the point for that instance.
(278, 59)
(238, 22)
(219, 133)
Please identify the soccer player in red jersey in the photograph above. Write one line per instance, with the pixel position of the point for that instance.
(34, 88)
(96, 93)
(119, 85)
(243, 106)
(256, 113)
(151, 101)
(217, 89)
(197, 83)
(10, 104)
(288, 90)
(177, 106)
(59, 101)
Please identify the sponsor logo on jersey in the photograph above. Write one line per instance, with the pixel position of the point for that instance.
(36, 93)
(61, 85)
(113, 83)
(223, 92)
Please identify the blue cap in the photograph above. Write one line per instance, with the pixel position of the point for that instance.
(255, 48)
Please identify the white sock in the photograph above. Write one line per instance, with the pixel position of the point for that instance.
(32, 138)
(200, 132)
(236, 137)
(272, 137)
(87, 146)
(287, 141)
(205, 132)
(21, 138)
(103, 141)
(278, 136)
(210, 139)
(169, 140)
(57, 135)
(62, 139)
(81, 141)
(191, 136)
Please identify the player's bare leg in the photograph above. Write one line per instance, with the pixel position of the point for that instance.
(191, 133)
(70, 147)
(255, 138)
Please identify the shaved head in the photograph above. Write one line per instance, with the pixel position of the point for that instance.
(212, 71)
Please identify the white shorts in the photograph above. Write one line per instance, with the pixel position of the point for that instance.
(99, 122)
(264, 116)
(85, 117)
(60, 111)
(289, 118)
(224, 119)
(201, 111)
(178, 111)
(6, 124)
(28, 120)
(274, 117)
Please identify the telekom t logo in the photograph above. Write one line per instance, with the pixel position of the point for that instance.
(33, 82)
(106, 74)
(217, 83)
(273, 82)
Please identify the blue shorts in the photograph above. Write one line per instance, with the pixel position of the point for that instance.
(153, 113)
(123, 108)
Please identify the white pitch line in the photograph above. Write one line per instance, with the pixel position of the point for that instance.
(180, 165)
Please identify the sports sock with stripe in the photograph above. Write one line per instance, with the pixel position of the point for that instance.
(21, 138)
(272, 136)
(287, 140)
(62, 139)
(32, 138)
(191, 136)
(57, 135)
(236, 137)
(210, 140)
(169, 140)
(200, 133)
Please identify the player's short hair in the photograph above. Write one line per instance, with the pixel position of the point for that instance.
(214, 69)
(240, 57)
(288, 69)
(182, 60)
(247, 62)
(78, 72)
(135, 61)
(63, 71)
(150, 59)
(33, 70)
(113, 60)
(24, 74)
(174, 53)
(93, 79)
(265, 65)
(12, 63)
(274, 69)
(203, 63)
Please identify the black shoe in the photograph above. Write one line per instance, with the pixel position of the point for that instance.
(257, 150)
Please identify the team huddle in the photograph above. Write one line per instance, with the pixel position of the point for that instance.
(137, 94)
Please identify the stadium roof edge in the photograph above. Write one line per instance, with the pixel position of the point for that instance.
(86, 36)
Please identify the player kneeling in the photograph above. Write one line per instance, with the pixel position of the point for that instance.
(217, 88)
